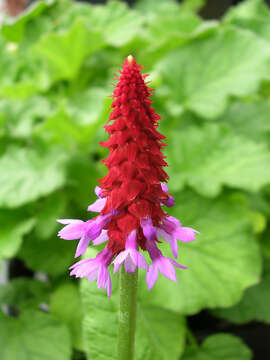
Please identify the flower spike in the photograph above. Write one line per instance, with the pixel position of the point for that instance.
(132, 197)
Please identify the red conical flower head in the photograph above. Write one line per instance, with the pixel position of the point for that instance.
(132, 194)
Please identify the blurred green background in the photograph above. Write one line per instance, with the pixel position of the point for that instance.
(212, 80)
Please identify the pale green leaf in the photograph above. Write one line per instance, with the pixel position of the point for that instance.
(116, 21)
(204, 73)
(254, 304)
(23, 293)
(26, 174)
(47, 211)
(65, 305)
(251, 119)
(222, 262)
(251, 15)
(21, 116)
(13, 28)
(211, 156)
(13, 225)
(219, 347)
(66, 51)
(34, 336)
(53, 256)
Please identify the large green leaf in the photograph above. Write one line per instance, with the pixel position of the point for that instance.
(20, 116)
(116, 21)
(52, 256)
(23, 293)
(66, 51)
(211, 156)
(69, 312)
(204, 73)
(251, 119)
(13, 225)
(222, 262)
(254, 304)
(28, 174)
(34, 336)
(251, 15)
(13, 28)
(160, 333)
(47, 210)
(219, 347)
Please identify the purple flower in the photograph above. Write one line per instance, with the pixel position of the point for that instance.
(85, 231)
(131, 257)
(170, 201)
(98, 192)
(149, 230)
(95, 269)
(96, 226)
(160, 263)
(171, 230)
(103, 237)
(76, 229)
(98, 205)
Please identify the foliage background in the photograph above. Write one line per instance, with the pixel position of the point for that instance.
(212, 81)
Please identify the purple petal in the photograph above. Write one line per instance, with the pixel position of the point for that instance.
(166, 268)
(141, 262)
(82, 246)
(174, 247)
(74, 230)
(177, 265)
(67, 221)
(130, 266)
(103, 237)
(116, 267)
(185, 234)
(97, 206)
(165, 236)
(104, 280)
(96, 226)
(169, 202)
(164, 187)
(149, 231)
(151, 276)
(98, 191)
(131, 242)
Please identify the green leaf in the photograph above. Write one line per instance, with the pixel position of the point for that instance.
(29, 174)
(23, 293)
(53, 256)
(116, 21)
(160, 333)
(254, 304)
(63, 59)
(192, 5)
(211, 156)
(251, 119)
(13, 28)
(204, 73)
(219, 347)
(21, 116)
(13, 225)
(152, 8)
(65, 305)
(222, 262)
(252, 15)
(34, 336)
(47, 211)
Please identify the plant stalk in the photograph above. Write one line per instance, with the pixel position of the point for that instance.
(127, 314)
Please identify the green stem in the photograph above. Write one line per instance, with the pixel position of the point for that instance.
(127, 314)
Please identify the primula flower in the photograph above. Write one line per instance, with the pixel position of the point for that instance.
(132, 196)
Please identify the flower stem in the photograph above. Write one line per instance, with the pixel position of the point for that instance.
(127, 314)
